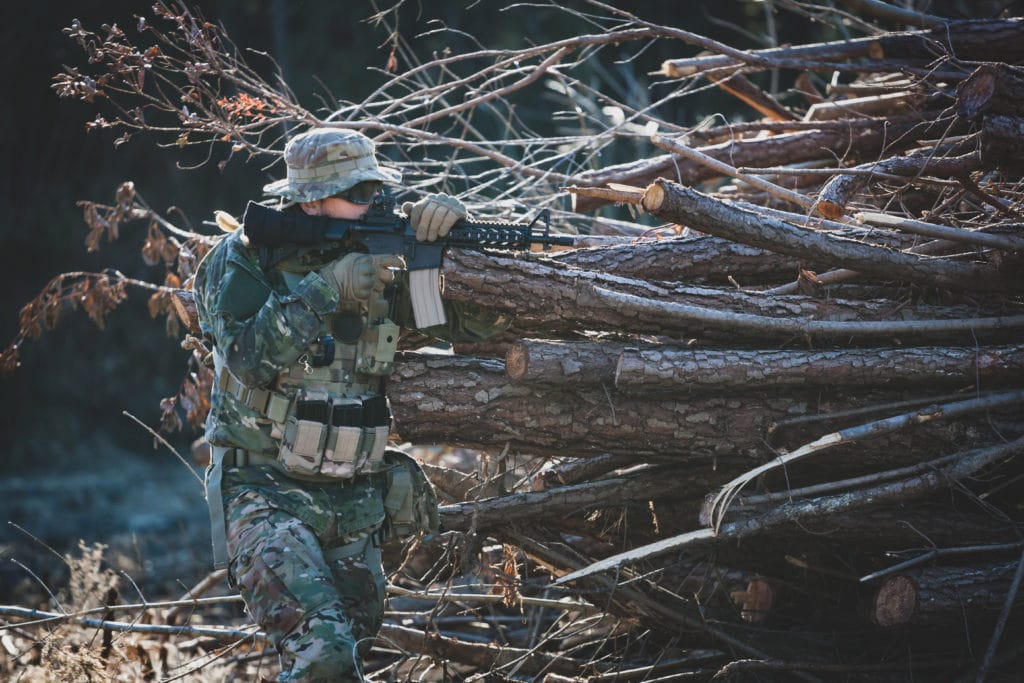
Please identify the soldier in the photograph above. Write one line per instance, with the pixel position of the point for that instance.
(302, 489)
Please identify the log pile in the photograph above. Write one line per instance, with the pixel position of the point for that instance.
(787, 442)
(775, 436)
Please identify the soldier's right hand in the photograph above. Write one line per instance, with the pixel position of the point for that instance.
(358, 276)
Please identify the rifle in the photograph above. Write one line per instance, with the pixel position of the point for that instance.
(383, 231)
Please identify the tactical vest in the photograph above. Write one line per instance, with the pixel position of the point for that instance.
(328, 412)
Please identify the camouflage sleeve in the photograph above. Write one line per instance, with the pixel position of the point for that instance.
(467, 323)
(259, 330)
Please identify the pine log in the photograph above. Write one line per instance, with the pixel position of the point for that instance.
(979, 40)
(994, 88)
(550, 300)
(681, 369)
(670, 201)
(856, 139)
(943, 596)
(837, 193)
(631, 367)
(470, 402)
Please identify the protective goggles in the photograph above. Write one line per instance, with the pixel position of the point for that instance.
(362, 193)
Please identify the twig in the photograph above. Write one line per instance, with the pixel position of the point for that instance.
(480, 598)
(884, 10)
(190, 597)
(726, 169)
(132, 627)
(169, 446)
(940, 552)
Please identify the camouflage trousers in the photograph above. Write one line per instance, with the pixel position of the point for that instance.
(316, 589)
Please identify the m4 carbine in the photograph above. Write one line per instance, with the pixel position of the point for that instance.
(383, 231)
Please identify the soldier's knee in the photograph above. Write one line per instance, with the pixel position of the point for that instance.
(321, 648)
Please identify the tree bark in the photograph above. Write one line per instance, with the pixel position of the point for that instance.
(670, 201)
(562, 363)
(680, 369)
(549, 300)
(471, 402)
(704, 259)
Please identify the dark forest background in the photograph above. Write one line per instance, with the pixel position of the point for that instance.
(61, 412)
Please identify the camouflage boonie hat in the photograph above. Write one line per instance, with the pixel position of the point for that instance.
(325, 161)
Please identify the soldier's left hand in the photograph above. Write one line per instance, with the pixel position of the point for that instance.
(434, 215)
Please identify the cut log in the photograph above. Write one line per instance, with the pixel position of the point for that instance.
(994, 88)
(670, 201)
(675, 369)
(470, 402)
(550, 300)
(942, 596)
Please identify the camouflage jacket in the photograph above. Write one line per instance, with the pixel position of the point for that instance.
(262, 327)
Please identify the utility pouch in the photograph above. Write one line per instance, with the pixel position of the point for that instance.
(377, 347)
(399, 506)
(344, 440)
(277, 407)
(410, 503)
(375, 440)
(302, 449)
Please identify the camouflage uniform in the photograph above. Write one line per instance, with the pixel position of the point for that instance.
(303, 542)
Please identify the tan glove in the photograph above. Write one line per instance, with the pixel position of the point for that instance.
(434, 215)
(358, 276)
